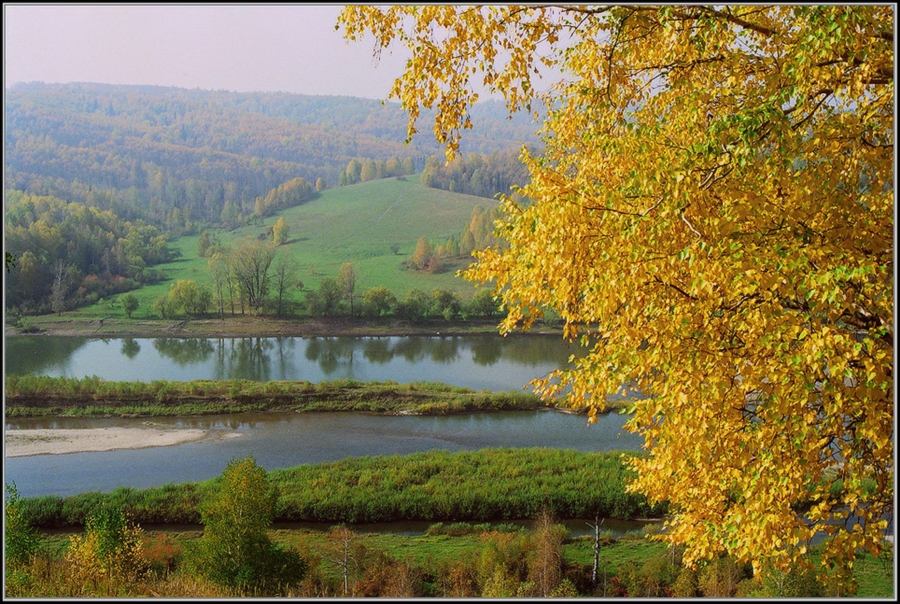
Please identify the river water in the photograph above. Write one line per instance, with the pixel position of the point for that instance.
(279, 440)
(488, 362)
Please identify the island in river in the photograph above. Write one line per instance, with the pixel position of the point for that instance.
(28, 399)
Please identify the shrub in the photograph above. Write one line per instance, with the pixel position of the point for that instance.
(21, 539)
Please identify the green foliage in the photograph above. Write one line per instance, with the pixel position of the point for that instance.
(20, 538)
(129, 303)
(190, 296)
(473, 486)
(325, 301)
(378, 301)
(415, 307)
(235, 549)
(110, 549)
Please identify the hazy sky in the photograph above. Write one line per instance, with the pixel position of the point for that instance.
(238, 47)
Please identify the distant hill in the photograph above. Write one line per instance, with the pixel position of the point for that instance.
(176, 157)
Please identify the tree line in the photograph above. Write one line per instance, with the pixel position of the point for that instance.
(477, 174)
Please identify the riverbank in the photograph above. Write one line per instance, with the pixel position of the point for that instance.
(247, 327)
(45, 396)
(22, 443)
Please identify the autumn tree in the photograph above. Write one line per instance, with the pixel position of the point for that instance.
(422, 254)
(711, 216)
(280, 231)
(110, 550)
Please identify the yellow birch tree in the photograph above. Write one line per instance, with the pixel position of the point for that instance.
(712, 217)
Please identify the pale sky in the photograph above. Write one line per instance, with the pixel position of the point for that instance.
(236, 47)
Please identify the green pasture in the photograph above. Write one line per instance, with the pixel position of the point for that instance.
(356, 224)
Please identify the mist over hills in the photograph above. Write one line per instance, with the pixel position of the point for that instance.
(143, 151)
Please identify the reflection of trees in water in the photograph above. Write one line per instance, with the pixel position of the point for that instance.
(444, 350)
(245, 358)
(527, 350)
(487, 351)
(184, 351)
(410, 349)
(332, 353)
(378, 350)
(27, 355)
(284, 357)
(130, 347)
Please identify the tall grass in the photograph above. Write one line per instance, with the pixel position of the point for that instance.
(474, 486)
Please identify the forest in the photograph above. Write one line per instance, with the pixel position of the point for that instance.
(175, 157)
(101, 178)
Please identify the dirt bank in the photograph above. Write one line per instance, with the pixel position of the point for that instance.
(246, 327)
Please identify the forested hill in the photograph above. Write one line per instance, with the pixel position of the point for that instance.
(178, 158)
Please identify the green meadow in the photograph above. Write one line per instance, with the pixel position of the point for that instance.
(357, 224)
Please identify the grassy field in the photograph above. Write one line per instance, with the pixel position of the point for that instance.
(356, 224)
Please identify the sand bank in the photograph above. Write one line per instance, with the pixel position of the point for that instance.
(20, 443)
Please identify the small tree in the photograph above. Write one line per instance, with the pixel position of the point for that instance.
(129, 304)
(545, 561)
(193, 298)
(415, 306)
(284, 278)
(163, 306)
(444, 303)
(235, 550)
(347, 282)
(204, 244)
(280, 231)
(59, 287)
(378, 301)
(326, 300)
(422, 254)
(21, 539)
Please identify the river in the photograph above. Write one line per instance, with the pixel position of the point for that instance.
(488, 362)
(286, 439)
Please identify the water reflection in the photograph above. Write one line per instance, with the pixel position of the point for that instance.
(184, 351)
(480, 362)
(130, 348)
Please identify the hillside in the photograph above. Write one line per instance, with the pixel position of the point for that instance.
(177, 157)
(356, 224)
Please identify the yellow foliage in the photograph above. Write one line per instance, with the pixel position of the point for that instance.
(713, 216)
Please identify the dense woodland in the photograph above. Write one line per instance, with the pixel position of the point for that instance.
(99, 177)
(177, 157)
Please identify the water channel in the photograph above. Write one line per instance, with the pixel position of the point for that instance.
(287, 439)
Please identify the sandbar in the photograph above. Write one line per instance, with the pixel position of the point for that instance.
(21, 443)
